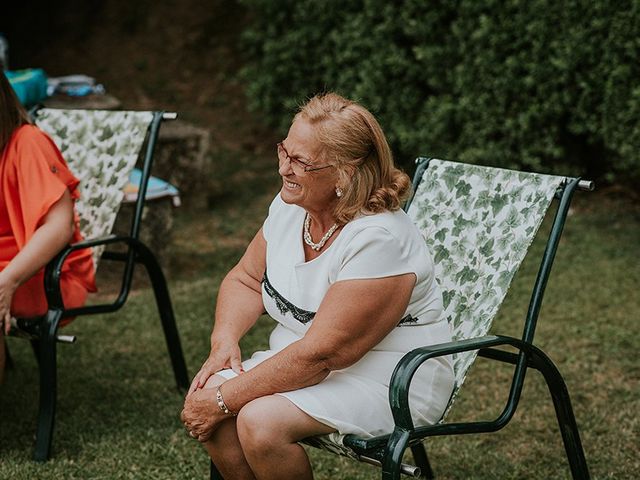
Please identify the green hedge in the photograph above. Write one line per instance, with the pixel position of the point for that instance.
(544, 85)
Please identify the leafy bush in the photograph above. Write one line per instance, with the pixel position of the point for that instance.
(541, 85)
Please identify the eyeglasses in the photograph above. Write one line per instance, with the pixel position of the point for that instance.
(298, 165)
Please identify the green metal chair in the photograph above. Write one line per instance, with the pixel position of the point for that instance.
(101, 148)
(478, 223)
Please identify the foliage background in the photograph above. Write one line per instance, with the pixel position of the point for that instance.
(544, 85)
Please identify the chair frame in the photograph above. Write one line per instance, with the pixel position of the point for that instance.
(44, 330)
(387, 450)
(529, 356)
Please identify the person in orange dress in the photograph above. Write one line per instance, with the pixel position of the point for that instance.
(37, 219)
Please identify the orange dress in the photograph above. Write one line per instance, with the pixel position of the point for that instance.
(33, 177)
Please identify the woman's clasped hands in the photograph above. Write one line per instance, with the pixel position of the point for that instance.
(201, 414)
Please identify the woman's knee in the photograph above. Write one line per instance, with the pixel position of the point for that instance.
(261, 424)
(270, 423)
(251, 423)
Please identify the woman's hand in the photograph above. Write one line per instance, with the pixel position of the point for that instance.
(49, 238)
(223, 355)
(201, 414)
(7, 290)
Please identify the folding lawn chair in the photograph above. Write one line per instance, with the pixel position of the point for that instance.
(478, 223)
(101, 148)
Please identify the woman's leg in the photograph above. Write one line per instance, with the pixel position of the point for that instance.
(226, 452)
(268, 430)
(224, 447)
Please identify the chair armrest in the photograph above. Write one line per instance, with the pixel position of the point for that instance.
(53, 270)
(409, 364)
(401, 381)
(59, 259)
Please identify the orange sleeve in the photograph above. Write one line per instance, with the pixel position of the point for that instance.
(38, 176)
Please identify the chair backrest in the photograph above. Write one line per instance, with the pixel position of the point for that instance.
(478, 223)
(101, 148)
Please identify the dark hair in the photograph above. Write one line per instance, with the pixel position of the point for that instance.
(12, 113)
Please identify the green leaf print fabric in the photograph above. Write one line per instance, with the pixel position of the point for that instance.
(478, 223)
(101, 148)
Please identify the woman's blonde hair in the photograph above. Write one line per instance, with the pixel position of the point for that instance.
(353, 140)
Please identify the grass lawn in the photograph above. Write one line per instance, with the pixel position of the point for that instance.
(118, 405)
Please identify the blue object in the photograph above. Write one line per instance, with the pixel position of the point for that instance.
(156, 188)
(80, 91)
(30, 85)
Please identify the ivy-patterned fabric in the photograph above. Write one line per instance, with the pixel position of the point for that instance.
(101, 148)
(478, 223)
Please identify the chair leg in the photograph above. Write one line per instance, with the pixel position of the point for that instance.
(48, 385)
(422, 460)
(8, 361)
(35, 346)
(215, 474)
(564, 413)
(394, 451)
(163, 301)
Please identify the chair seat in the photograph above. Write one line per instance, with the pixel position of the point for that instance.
(352, 446)
(333, 443)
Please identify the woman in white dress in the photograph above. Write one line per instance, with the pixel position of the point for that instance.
(348, 280)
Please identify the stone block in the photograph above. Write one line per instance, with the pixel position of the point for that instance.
(182, 159)
(155, 229)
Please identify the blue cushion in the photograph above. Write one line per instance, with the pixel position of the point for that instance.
(156, 188)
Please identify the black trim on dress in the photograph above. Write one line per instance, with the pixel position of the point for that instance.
(305, 316)
(284, 305)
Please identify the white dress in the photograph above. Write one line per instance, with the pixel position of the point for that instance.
(355, 399)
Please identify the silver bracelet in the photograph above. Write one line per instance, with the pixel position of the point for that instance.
(221, 404)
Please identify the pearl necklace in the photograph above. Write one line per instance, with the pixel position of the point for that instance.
(323, 240)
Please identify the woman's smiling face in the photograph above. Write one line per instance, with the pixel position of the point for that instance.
(315, 190)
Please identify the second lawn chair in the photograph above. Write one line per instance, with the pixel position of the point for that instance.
(101, 148)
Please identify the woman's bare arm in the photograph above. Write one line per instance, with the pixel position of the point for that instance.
(239, 301)
(51, 236)
(238, 307)
(354, 317)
